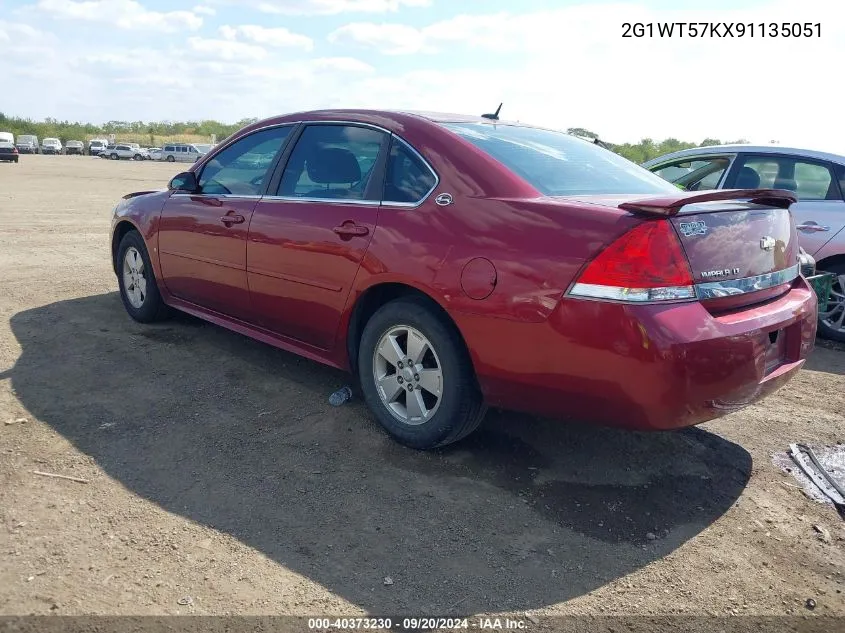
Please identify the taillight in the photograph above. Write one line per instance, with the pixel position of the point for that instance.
(646, 264)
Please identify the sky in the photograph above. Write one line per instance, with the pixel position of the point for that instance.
(557, 63)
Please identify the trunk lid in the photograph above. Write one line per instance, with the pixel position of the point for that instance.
(741, 243)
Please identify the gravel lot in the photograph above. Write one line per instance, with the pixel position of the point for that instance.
(219, 476)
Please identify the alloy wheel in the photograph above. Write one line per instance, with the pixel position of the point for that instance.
(834, 316)
(408, 375)
(134, 278)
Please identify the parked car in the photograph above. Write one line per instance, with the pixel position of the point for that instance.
(181, 153)
(8, 152)
(75, 147)
(27, 144)
(96, 146)
(454, 262)
(7, 137)
(816, 178)
(116, 152)
(154, 153)
(51, 146)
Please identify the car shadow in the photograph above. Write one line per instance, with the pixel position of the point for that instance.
(239, 436)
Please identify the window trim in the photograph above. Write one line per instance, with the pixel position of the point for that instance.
(275, 181)
(743, 157)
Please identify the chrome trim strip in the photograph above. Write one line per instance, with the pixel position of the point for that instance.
(733, 287)
(342, 201)
(215, 195)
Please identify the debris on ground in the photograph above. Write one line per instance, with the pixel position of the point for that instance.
(388, 580)
(823, 533)
(185, 601)
(819, 471)
(810, 604)
(79, 480)
(341, 396)
(16, 421)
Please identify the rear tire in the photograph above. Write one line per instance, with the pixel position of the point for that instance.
(832, 321)
(444, 403)
(137, 282)
(114, 156)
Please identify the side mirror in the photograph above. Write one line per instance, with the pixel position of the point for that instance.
(186, 181)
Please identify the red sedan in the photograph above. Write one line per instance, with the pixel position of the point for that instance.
(455, 262)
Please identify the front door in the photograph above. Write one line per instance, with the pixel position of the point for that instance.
(307, 240)
(820, 211)
(202, 235)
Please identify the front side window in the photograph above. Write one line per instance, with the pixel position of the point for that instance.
(695, 174)
(808, 179)
(332, 162)
(407, 179)
(558, 164)
(241, 168)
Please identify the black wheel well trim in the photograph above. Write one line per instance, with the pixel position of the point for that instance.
(123, 227)
(374, 298)
(833, 260)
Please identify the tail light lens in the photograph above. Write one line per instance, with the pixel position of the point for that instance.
(646, 264)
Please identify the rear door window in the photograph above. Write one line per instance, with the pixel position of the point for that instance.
(809, 179)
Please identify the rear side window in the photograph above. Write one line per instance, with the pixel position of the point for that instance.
(240, 169)
(558, 164)
(810, 180)
(408, 179)
(332, 162)
(695, 174)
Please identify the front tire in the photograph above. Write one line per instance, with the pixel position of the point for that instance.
(832, 320)
(171, 159)
(416, 376)
(137, 282)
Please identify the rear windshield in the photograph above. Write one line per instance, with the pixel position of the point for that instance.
(558, 164)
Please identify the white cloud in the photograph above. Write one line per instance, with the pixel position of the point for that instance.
(277, 37)
(226, 49)
(390, 39)
(328, 7)
(124, 14)
(201, 9)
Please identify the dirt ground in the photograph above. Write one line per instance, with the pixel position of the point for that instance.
(220, 480)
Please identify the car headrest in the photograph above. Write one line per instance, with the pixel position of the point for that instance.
(747, 179)
(333, 165)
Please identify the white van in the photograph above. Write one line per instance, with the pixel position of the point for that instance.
(181, 153)
(7, 137)
(51, 146)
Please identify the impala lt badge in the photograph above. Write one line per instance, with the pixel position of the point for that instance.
(767, 243)
(693, 228)
(727, 272)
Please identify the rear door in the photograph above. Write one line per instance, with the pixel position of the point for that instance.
(307, 239)
(202, 236)
(820, 211)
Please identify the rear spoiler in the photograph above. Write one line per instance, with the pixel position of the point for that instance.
(670, 206)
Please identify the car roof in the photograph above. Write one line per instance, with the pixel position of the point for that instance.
(745, 148)
(6, 144)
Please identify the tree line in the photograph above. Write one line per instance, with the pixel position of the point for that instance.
(152, 132)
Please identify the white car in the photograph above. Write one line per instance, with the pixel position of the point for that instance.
(51, 146)
(116, 152)
(154, 152)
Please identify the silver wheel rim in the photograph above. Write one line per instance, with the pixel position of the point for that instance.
(408, 375)
(134, 278)
(834, 316)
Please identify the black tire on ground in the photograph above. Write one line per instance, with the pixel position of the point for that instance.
(461, 408)
(171, 159)
(153, 308)
(114, 156)
(826, 330)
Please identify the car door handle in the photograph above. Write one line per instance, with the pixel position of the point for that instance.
(350, 229)
(232, 219)
(816, 228)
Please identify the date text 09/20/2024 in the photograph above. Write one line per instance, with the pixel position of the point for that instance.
(722, 29)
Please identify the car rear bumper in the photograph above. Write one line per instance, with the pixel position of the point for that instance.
(646, 366)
